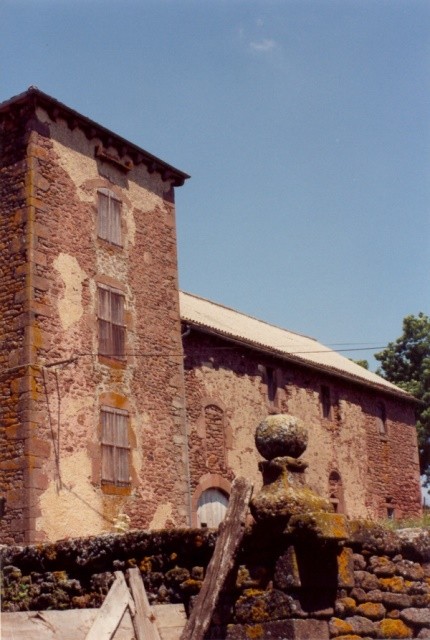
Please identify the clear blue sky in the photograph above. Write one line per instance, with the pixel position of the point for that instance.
(304, 125)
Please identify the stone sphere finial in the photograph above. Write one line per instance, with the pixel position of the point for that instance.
(281, 435)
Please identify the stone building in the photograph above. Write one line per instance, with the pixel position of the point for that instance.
(94, 395)
(362, 450)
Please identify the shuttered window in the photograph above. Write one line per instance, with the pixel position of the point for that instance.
(115, 447)
(111, 323)
(109, 217)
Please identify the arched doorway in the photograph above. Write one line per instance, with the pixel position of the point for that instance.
(211, 508)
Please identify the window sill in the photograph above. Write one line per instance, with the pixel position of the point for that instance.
(108, 244)
(114, 363)
(115, 490)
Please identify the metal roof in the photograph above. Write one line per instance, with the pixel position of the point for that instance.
(257, 334)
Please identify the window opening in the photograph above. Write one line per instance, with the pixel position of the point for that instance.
(336, 492)
(381, 418)
(111, 323)
(109, 217)
(115, 447)
(271, 384)
(325, 401)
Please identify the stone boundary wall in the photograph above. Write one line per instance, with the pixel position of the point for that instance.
(376, 585)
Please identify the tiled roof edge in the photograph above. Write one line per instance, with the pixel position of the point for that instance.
(338, 373)
(247, 315)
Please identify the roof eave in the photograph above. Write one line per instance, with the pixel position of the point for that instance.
(92, 129)
(243, 342)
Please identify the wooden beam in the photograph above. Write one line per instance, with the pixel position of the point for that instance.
(112, 610)
(226, 548)
(144, 620)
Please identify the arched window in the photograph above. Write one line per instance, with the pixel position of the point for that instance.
(211, 508)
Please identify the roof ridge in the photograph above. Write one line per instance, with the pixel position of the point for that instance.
(247, 315)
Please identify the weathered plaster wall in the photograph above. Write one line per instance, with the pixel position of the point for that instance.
(150, 379)
(372, 467)
(66, 397)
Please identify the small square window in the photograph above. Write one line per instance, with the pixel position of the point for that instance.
(115, 447)
(111, 323)
(109, 217)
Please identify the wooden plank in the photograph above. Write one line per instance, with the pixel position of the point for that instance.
(226, 548)
(26, 625)
(125, 630)
(171, 633)
(169, 615)
(171, 620)
(110, 614)
(72, 624)
(144, 619)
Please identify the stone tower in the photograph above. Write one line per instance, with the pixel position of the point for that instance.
(91, 381)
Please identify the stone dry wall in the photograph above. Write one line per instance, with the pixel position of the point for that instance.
(377, 585)
(377, 471)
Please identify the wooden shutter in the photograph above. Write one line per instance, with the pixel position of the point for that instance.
(115, 446)
(111, 323)
(109, 217)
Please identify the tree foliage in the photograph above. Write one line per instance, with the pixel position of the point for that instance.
(406, 363)
(362, 363)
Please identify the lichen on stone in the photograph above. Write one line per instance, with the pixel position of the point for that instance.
(394, 629)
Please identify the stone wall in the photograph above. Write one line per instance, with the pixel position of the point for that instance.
(377, 585)
(13, 318)
(376, 472)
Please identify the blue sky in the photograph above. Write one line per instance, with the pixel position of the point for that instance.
(304, 125)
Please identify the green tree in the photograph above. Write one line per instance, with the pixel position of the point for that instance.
(362, 363)
(406, 363)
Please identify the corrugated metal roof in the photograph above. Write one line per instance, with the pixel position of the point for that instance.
(264, 336)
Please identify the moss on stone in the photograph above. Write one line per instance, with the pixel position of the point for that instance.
(254, 631)
(395, 584)
(145, 565)
(371, 610)
(345, 606)
(339, 627)
(394, 629)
